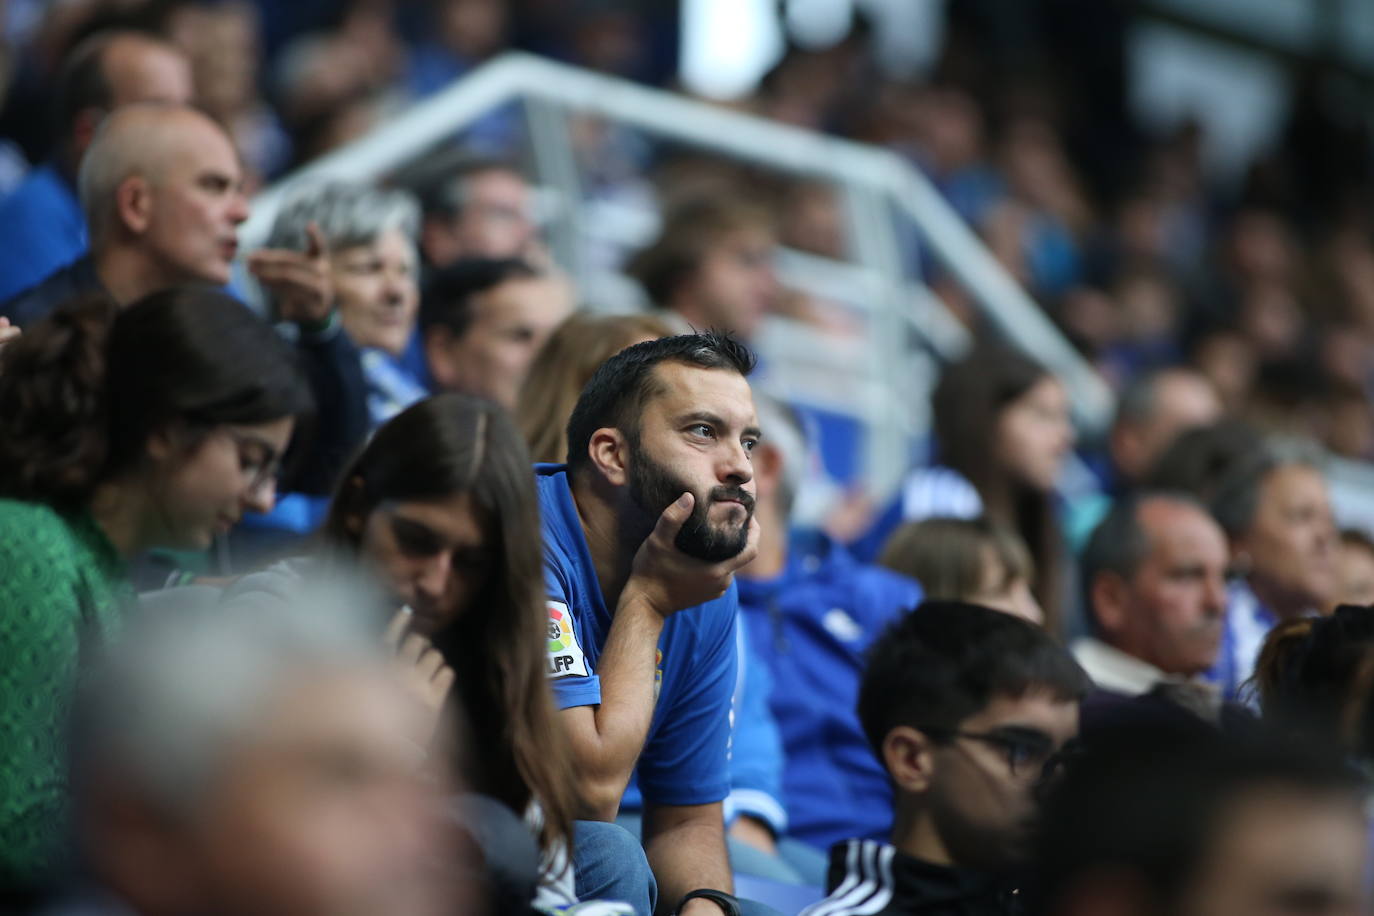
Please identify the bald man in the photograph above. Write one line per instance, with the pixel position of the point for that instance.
(161, 190)
(42, 227)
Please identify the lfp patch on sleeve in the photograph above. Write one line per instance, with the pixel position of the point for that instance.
(565, 655)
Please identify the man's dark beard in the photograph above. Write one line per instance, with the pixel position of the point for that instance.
(653, 488)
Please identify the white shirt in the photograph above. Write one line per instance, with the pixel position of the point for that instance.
(1114, 670)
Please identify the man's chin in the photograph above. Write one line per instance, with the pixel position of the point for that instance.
(716, 547)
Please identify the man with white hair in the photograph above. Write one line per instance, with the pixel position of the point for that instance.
(258, 760)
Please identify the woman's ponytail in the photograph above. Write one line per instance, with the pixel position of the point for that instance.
(54, 409)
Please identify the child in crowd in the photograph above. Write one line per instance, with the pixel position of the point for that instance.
(976, 560)
(970, 711)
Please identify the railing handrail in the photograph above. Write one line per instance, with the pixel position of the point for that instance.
(518, 75)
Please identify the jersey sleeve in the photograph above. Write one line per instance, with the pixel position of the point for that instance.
(574, 682)
(687, 761)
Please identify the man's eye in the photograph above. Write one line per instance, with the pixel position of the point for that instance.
(750, 444)
(701, 429)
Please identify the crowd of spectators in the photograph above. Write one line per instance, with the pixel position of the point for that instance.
(423, 586)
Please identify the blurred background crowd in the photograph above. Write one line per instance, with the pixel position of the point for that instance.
(1063, 308)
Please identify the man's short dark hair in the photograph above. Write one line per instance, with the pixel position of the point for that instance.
(449, 294)
(946, 660)
(1202, 458)
(1149, 805)
(1139, 398)
(82, 82)
(440, 181)
(1119, 543)
(618, 390)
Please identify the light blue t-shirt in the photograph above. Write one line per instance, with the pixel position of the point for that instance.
(685, 757)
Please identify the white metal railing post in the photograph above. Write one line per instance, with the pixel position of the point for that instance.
(555, 162)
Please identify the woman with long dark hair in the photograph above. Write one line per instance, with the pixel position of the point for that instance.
(440, 504)
(1002, 434)
(121, 430)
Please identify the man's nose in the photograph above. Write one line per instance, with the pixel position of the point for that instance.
(736, 466)
(238, 209)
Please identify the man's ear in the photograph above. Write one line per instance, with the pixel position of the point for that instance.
(909, 756)
(162, 446)
(354, 522)
(437, 240)
(83, 129)
(436, 341)
(767, 461)
(1109, 603)
(609, 452)
(134, 204)
(1126, 447)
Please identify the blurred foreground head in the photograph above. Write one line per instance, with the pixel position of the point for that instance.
(257, 761)
(1153, 824)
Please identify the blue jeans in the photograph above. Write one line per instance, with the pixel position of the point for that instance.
(795, 862)
(609, 864)
(633, 824)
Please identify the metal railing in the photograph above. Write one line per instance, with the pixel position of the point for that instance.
(904, 321)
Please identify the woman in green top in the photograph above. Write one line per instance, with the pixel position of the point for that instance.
(156, 425)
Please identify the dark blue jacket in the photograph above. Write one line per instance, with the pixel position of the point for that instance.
(58, 288)
(811, 626)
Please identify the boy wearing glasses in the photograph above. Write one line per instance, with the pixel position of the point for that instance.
(970, 711)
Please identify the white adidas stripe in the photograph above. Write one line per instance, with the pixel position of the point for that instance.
(867, 887)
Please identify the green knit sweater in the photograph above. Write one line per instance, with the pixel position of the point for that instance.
(63, 591)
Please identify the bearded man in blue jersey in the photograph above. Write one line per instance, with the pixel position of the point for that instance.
(644, 529)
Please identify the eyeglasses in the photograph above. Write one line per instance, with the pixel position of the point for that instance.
(258, 460)
(1030, 755)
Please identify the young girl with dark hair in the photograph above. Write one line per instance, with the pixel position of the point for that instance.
(1002, 432)
(121, 430)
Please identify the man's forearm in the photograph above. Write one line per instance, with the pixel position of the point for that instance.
(626, 671)
(686, 850)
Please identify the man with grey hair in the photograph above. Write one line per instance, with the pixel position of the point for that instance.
(162, 192)
(258, 760)
(1276, 511)
(42, 227)
(1154, 583)
(810, 610)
